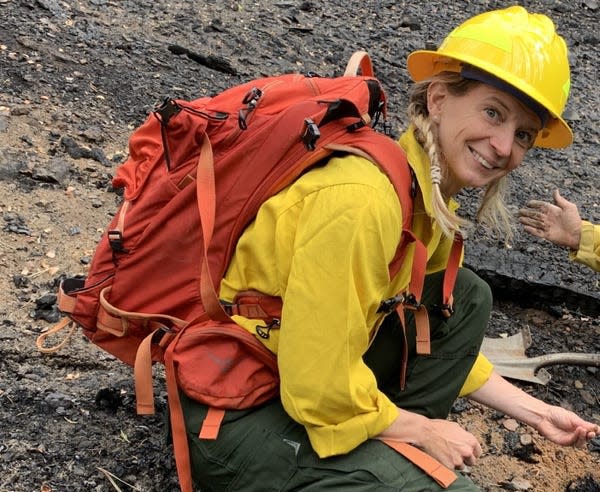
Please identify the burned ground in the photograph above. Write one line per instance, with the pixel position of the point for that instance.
(77, 76)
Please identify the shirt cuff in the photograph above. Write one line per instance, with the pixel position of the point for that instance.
(586, 254)
(480, 373)
(341, 438)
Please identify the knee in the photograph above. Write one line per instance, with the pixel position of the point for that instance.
(473, 295)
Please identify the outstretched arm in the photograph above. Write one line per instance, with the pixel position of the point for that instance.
(553, 422)
(559, 222)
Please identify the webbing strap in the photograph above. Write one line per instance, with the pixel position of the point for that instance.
(417, 282)
(207, 197)
(423, 335)
(64, 301)
(417, 276)
(212, 423)
(404, 361)
(142, 375)
(180, 441)
(441, 474)
(450, 274)
(360, 60)
(61, 325)
(115, 321)
(255, 305)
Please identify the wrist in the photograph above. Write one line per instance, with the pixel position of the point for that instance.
(407, 427)
(532, 413)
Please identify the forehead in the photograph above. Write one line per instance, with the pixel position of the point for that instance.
(482, 93)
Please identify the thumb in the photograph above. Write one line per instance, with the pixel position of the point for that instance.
(559, 200)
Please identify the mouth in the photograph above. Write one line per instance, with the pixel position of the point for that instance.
(479, 158)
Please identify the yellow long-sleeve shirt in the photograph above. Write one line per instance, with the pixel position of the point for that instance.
(589, 246)
(323, 245)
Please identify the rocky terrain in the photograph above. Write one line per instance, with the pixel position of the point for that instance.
(77, 76)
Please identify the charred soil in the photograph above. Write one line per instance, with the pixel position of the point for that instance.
(77, 76)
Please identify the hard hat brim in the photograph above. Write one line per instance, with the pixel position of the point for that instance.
(423, 64)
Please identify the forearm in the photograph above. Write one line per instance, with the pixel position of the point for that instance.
(501, 395)
(407, 427)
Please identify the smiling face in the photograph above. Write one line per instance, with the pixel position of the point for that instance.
(482, 134)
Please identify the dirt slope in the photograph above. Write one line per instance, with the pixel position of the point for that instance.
(77, 76)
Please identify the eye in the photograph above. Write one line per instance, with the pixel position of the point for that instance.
(525, 138)
(492, 113)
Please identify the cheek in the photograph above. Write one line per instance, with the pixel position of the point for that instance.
(445, 139)
(514, 164)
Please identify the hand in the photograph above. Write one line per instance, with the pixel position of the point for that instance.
(450, 444)
(444, 440)
(559, 223)
(566, 428)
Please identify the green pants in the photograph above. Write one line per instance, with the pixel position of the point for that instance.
(262, 449)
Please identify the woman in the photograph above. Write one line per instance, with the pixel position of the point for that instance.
(323, 245)
(560, 223)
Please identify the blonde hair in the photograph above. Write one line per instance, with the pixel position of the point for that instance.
(492, 210)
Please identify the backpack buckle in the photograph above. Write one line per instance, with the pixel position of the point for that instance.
(163, 335)
(166, 110)
(388, 305)
(264, 332)
(115, 239)
(311, 134)
(250, 100)
(410, 302)
(446, 310)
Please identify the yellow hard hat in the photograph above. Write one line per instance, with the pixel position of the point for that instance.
(520, 49)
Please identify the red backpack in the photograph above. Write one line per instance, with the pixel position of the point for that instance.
(196, 176)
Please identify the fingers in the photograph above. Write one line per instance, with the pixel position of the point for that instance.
(529, 212)
(469, 455)
(538, 204)
(534, 222)
(580, 438)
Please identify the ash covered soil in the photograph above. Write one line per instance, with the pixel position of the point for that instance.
(76, 77)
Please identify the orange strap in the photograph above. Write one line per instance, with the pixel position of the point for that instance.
(441, 474)
(115, 321)
(360, 60)
(61, 325)
(64, 301)
(142, 371)
(404, 361)
(450, 274)
(180, 442)
(206, 197)
(212, 423)
(423, 338)
(417, 282)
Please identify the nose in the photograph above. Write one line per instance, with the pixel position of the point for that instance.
(502, 140)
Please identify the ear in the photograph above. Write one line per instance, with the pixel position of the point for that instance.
(437, 93)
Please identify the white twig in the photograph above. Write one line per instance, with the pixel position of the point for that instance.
(111, 478)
